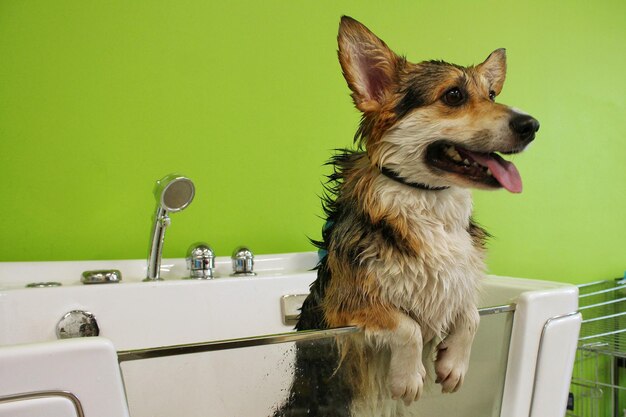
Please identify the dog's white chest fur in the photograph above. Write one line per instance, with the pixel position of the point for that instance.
(434, 287)
(441, 280)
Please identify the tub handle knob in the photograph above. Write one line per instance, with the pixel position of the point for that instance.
(200, 261)
(102, 276)
(77, 323)
(243, 262)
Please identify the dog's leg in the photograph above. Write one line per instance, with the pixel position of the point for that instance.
(453, 353)
(406, 371)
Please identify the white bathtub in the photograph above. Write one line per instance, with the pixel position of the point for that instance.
(521, 361)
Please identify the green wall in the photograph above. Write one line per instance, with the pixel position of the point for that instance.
(98, 99)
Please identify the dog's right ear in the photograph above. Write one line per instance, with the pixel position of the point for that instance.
(494, 69)
(368, 65)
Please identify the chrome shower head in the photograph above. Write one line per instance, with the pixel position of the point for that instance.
(174, 192)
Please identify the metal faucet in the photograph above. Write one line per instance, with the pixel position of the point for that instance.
(173, 193)
(243, 262)
(200, 261)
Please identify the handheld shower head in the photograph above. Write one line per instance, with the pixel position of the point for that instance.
(173, 193)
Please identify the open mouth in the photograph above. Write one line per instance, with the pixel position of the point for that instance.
(484, 168)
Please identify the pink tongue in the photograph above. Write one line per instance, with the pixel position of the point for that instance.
(504, 171)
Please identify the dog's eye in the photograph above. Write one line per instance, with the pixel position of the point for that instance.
(492, 95)
(454, 97)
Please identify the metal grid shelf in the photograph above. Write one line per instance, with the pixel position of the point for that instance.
(603, 305)
(599, 371)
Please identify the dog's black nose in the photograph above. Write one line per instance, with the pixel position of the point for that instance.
(524, 126)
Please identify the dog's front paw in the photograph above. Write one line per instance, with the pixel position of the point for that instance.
(451, 366)
(406, 383)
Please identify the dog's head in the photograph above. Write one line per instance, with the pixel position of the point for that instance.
(434, 123)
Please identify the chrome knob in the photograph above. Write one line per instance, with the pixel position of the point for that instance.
(200, 261)
(243, 261)
(43, 284)
(77, 323)
(104, 276)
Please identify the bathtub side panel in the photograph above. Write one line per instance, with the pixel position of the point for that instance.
(534, 310)
(554, 365)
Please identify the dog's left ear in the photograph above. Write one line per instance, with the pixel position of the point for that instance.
(494, 69)
(368, 65)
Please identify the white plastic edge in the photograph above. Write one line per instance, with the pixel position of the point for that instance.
(85, 367)
(534, 310)
(554, 365)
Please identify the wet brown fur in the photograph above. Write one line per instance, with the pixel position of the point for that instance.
(353, 295)
(367, 231)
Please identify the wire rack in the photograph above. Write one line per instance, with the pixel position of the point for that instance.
(599, 379)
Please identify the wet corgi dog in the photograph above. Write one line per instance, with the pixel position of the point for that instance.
(403, 257)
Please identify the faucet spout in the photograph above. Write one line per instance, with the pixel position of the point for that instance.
(173, 193)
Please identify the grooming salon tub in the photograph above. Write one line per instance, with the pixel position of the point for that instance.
(224, 347)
